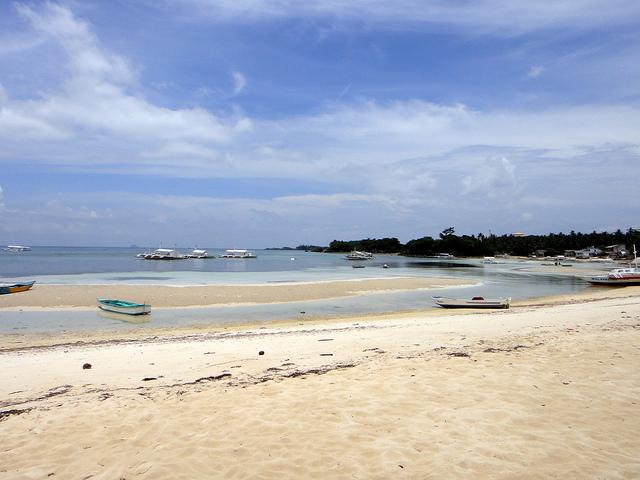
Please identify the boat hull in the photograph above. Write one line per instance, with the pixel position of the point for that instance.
(475, 305)
(126, 308)
(460, 303)
(16, 287)
(356, 256)
(612, 281)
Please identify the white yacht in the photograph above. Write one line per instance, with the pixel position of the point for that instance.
(16, 248)
(234, 253)
(357, 255)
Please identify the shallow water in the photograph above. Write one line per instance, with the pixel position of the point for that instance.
(106, 266)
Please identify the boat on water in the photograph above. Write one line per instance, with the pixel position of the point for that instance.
(123, 306)
(238, 253)
(475, 302)
(358, 255)
(357, 266)
(443, 256)
(489, 260)
(199, 253)
(618, 276)
(163, 254)
(16, 248)
(6, 288)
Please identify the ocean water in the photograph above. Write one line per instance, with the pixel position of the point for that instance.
(92, 265)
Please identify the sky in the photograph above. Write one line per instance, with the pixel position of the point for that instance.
(252, 124)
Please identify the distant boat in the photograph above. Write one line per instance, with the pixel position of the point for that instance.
(357, 255)
(16, 248)
(233, 253)
(618, 276)
(6, 288)
(489, 260)
(475, 302)
(444, 256)
(199, 253)
(357, 266)
(123, 306)
(163, 254)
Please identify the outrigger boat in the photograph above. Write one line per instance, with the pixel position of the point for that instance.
(357, 255)
(123, 306)
(475, 302)
(236, 253)
(199, 253)
(163, 254)
(17, 248)
(618, 276)
(15, 287)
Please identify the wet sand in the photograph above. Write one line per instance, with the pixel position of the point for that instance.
(546, 389)
(84, 296)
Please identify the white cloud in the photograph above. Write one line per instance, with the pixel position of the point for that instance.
(87, 59)
(495, 178)
(98, 96)
(496, 16)
(535, 71)
(96, 119)
(371, 132)
(239, 82)
(385, 160)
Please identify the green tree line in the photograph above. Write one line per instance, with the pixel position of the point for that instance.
(489, 245)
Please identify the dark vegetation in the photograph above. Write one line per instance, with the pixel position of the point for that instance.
(306, 248)
(489, 245)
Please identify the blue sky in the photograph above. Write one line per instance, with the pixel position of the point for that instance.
(278, 122)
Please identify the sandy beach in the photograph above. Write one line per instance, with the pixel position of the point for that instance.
(548, 389)
(84, 296)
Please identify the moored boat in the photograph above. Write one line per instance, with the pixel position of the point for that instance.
(6, 288)
(475, 302)
(163, 254)
(618, 276)
(236, 253)
(123, 306)
(357, 255)
(16, 248)
(199, 253)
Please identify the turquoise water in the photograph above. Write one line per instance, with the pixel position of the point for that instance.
(69, 265)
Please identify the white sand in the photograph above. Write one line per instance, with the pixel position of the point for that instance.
(548, 391)
(65, 296)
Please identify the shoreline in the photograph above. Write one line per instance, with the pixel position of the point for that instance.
(17, 341)
(84, 296)
(544, 389)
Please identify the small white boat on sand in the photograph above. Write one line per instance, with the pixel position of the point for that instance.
(123, 306)
(475, 302)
